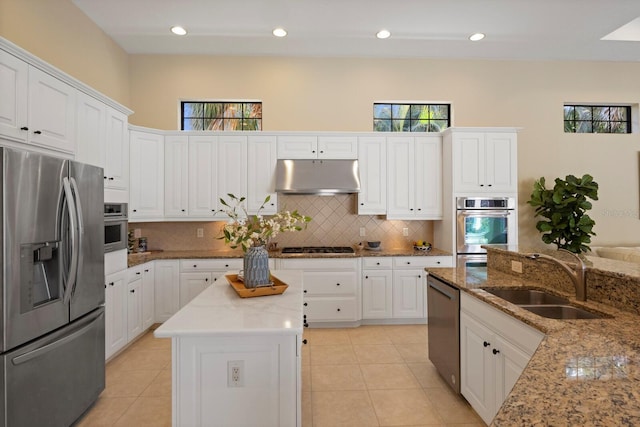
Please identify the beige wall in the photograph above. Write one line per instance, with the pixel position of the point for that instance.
(62, 35)
(337, 94)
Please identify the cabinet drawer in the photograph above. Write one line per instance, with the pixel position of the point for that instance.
(330, 283)
(327, 309)
(319, 264)
(211, 264)
(422, 261)
(382, 263)
(134, 273)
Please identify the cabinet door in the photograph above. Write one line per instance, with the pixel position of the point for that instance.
(115, 312)
(148, 296)
(134, 308)
(372, 159)
(52, 112)
(468, 158)
(176, 176)
(297, 147)
(401, 190)
(261, 172)
(501, 162)
(90, 130)
(510, 361)
(337, 147)
(477, 377)
(428, 177)
(377, 294)
(408, 294)
(167, 289)
(231, 167)
(191, 284)
(147, 175)
(116, 151)
(14, 78)
(203, 199)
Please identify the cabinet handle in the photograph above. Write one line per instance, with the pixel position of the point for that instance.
(182, 210)
(304, 341)
(213, 210)
(411, 209)
(377, 263)
(337, 284)
(361, 204)
(37, 132)
(138, 273)
(206, 279)
(419, 209)
(226, 265)
(338, 309)
(110, 178)
(195, 265)
(489, 185)
(135, 210)
(305, 304)
(419, 276)
(437, 262)
(486, 344)
(481, 185)
(321, 151)
(408, 262)
(133, 291)
(306, 325)
(110, 283)
(24, 128)
(272, 204)
(366, 277)
(304, 317)
(496, 351)
(313, 151)
(305, 291)
(146, 271)
(105, 177)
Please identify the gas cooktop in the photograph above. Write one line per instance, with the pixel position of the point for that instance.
(318, 250)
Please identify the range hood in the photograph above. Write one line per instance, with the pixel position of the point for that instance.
(323, 177)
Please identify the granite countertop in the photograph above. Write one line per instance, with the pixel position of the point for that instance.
(140, 258)
(585, 372)
(219, 311)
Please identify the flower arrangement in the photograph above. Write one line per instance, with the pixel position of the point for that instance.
(246, 230)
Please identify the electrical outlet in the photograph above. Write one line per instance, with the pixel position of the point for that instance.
(363, 231)
(516, 266)
(405, 231)
(235, 373)
(200, 232)
(137, 233)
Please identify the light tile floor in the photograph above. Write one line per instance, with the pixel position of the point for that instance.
(366, 376)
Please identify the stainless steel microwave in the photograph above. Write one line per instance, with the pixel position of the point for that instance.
(116, 226)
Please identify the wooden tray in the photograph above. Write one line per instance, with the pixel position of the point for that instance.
(277, 288)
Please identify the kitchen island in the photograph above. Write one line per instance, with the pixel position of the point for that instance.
(236, 361)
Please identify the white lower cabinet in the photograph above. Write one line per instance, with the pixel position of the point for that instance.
(494, 350)
(115, 302)
(197, 274)
(377, 288)
(140, 299)
(134, 307)
(409, 293)
(167, 289)
(331, 288)
(148, 295)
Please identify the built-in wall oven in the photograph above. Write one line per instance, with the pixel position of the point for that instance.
(484, 221)
(115, 226)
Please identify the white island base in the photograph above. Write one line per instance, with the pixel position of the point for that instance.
(236, 361)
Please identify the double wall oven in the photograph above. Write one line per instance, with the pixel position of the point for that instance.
(483, 221)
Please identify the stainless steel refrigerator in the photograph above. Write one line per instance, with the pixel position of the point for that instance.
(52, 322)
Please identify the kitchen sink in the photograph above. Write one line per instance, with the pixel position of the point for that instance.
(562, 312)
(526, 296)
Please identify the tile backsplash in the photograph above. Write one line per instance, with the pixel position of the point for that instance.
(335, 222)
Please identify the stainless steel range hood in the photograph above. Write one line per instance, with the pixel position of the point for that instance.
(323, 177)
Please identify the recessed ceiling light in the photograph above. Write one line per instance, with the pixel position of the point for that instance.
(280, 32)
(383, 34)
(178, 30)
(476, 37)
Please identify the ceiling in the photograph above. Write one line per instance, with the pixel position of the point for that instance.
(515, 29)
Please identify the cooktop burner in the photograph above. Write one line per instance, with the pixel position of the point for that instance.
(318, 250)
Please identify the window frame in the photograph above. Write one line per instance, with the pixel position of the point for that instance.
(629, 121)
(410, 104)
(181, 117)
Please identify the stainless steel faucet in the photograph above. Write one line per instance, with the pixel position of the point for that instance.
(578, 276)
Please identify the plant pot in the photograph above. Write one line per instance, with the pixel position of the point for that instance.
(256, 267)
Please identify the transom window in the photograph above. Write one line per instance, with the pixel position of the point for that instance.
(394, 117)
(597, 119)
(218, 115)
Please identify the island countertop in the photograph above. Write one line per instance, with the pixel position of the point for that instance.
(219, 311)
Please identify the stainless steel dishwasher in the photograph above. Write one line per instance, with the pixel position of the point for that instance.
(443, 301)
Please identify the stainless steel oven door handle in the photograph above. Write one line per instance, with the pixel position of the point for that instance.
(73, 227)
(481, 214)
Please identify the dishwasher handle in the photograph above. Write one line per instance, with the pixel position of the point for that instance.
(448, 292)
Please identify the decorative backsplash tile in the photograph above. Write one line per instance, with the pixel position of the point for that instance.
(334, 223)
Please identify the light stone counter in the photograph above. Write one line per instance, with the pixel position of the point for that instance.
(585, 372)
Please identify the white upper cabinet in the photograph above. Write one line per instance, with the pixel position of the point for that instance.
(52, 112)
(116, 151)
(484, 162)
(414, 177)
(317, 147)
(147, 176)
(203, 198)
(176, 176)
(231, 167)
(261, 171)
(14, 78)
(91, 130)
(372, 162)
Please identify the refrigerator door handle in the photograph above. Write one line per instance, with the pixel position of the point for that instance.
(86, 324)
(73, 227)
(76, 195)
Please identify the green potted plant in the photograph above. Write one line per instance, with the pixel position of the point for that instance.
(564, 209)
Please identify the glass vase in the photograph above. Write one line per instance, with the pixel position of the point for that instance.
(256, 267)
